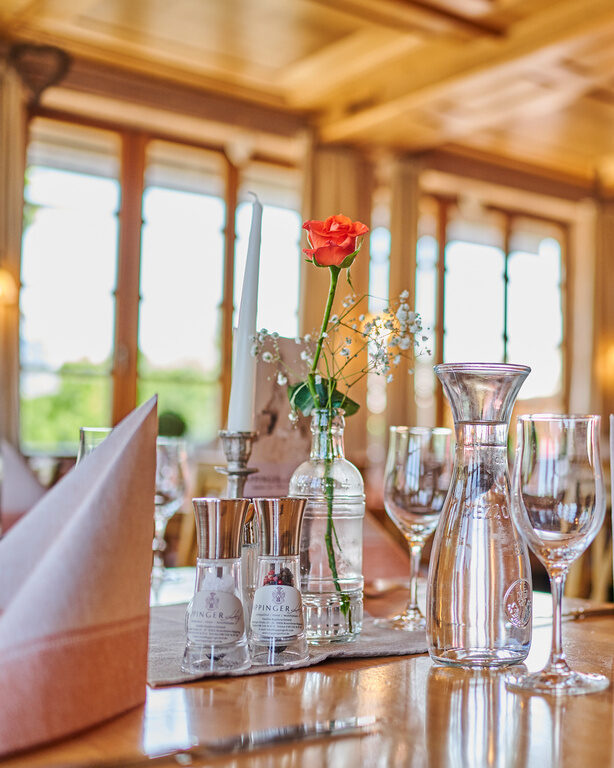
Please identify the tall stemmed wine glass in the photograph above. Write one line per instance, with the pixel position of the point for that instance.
(416, 481)
(171, 486)
(558, 507)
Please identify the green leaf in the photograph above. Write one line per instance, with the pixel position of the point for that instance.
(300, 398)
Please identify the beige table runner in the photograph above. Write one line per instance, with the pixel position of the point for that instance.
(167, 639)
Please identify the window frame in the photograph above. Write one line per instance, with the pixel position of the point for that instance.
(509, 214)
(133, 143)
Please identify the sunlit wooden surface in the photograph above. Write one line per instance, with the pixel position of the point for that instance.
(527, 81)
(428, 715)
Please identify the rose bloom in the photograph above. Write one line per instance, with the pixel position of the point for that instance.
(333, 241)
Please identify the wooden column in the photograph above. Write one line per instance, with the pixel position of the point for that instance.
(401, 404)
(580, 335)
(338, 180)
(12, 167)
(128, 275)
(603, 394)
(232, 196)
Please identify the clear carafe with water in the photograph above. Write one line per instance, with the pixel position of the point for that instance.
(479, 592)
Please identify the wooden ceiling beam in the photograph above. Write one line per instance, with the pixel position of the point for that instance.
(137, 89)
(493, 169)
(438, 70)
(414, 16)
(102, 51)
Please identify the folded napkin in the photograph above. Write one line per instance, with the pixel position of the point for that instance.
(74, 593)
(21, 489)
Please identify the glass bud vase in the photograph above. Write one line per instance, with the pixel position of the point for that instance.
(331, 537)
(479, 592)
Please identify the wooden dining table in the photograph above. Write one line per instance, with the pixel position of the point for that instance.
(424, 714)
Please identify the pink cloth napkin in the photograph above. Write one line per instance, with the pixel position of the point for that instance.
(74, 593)
(21, 489)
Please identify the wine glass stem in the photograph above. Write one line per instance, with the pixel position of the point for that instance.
(415, 553)
(556, 662)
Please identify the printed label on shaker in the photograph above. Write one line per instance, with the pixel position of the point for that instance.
(277, 612)
(517, 602)
(215, 617)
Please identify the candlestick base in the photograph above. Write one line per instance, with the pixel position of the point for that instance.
(237, 449)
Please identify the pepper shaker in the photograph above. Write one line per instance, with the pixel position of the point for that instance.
(277, 632)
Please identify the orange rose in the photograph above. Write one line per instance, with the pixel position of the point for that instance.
(334, 242)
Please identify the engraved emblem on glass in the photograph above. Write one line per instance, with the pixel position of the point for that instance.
(558, 507)
(416, 481)
(216, 640)
(277, 630)
(479, 584)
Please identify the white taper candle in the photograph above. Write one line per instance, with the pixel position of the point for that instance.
(241, 409)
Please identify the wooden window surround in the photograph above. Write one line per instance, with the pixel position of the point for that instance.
(133, 162)
(510, 216)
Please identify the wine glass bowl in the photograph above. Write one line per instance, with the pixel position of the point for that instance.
(170, 492)
(416, 482)
(558, 507)
(89, 439)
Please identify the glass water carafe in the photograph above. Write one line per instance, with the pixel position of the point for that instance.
(479, 590)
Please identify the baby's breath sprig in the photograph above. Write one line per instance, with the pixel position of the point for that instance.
(388, 337)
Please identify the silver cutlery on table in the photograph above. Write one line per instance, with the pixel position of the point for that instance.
(247, 742)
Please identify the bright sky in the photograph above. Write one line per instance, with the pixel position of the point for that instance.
(69, 272)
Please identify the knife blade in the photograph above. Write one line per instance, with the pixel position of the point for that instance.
(244, 742)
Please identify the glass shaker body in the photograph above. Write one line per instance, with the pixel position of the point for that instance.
(277, 628)
(216, 640)
(479, 592)
(215, 625)
(277, 631)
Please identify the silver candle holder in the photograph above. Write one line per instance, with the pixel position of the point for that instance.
(237, 449)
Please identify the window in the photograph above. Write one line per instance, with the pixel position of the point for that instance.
(68, 276)
(182, 284)
(72, 263)
(279, 192)
(497, 296)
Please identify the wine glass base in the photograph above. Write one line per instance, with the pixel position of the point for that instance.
(555, 684)
(402, 621)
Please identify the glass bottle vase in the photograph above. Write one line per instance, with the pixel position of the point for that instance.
(479, 591)
(331, 536)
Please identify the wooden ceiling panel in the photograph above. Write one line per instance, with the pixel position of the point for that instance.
(245, 34)
(531, 80)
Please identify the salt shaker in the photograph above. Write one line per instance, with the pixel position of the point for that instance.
(277, 632)
(215, 626)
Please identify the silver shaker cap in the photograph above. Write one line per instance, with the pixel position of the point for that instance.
(219, 527)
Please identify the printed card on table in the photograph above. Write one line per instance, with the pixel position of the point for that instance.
(281, 446)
